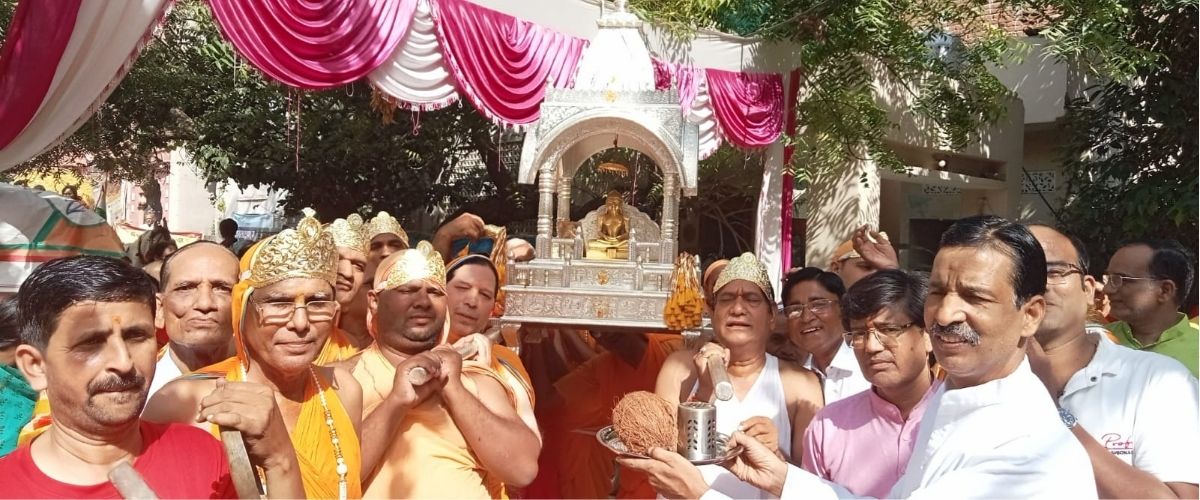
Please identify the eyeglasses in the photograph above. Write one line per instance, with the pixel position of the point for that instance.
(1116, 281)
(280, 313)
(1057, 275)
(887, 335)
(817, 307)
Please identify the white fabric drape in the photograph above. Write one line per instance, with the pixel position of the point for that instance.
(106, 40)
(768, 233)
(701, 113)
(416, 73)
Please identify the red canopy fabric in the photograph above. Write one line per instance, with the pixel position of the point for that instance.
(749, 106)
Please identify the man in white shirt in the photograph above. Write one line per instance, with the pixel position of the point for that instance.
(1136, 410)
(772, 400)
(195, 308)
(990, 429)
(814, 322)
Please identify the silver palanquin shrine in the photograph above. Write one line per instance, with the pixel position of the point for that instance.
(614, 96)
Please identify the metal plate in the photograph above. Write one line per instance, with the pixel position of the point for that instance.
(608, 437)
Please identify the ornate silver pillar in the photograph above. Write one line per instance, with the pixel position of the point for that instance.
(670, 216)
(564, 199)
(545, 226)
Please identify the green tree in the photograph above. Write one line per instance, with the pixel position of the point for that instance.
(1131, 153)
(844, 46)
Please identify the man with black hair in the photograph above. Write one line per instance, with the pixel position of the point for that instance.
(87, 329)
(1128, 404)
(815, 326)
(1147, 282)
(228, 229)
(990, 430)
(864, 441)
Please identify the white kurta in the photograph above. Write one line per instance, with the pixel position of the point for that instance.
(1002, 439)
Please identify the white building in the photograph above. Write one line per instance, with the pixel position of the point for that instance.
(190, 205)
(1013, 172)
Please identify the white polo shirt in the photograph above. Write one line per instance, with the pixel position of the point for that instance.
(1141, 406)
(843, 378)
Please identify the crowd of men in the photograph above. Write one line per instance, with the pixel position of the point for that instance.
(357, 365)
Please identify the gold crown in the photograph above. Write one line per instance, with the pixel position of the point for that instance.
(304, 252)
(746, 267)
(350, 232)
(383, 222)
(421, 263)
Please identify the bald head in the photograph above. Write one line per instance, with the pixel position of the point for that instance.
(211, 250)
(197, 299)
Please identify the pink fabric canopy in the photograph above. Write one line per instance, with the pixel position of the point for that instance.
(61, 58)
(749, 106)
(694, 101)
(37, 37)
(502, 63)
(314, 44)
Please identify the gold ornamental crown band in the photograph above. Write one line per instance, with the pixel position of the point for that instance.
(383, 222)
(746, 267)
(304, 252)
(421, 263)
(350, 232)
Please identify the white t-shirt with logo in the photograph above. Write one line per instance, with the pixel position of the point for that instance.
(1141, 406)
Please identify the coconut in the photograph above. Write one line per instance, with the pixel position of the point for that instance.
(643, 420)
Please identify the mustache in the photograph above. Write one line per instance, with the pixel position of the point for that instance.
(960, 330)
(119, 383)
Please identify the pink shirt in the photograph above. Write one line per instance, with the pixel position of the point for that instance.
(861, 442)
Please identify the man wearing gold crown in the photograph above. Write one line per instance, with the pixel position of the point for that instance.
(350, 236)
(455, 436)
(773, 400)
(283, 312)
(384, 237)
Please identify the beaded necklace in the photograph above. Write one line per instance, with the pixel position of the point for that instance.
(342, 469)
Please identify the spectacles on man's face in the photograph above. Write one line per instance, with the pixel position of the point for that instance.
(279, 313)
(1114, 282)
(817, 307)
(887, 335)
(1058, 274)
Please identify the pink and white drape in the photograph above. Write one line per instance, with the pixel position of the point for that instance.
(502, 63)
(61, 59)
(314, 44)
(416, 75)
(59, 62)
